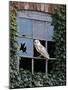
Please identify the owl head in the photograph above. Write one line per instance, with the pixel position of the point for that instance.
(36, 42)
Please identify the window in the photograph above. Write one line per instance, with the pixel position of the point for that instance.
(36, 54)
(25, 27)
(42, 30)
(30, 27)
(51, 48)
(40, 65)
(26, 47)
(25, 63)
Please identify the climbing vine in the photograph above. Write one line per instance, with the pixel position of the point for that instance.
(13, 48)
(59, 22)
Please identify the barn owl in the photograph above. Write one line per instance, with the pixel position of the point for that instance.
(41, 49)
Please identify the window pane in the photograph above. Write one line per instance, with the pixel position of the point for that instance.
(36, 53)
(26, 47)
(42, 30)
(49, 31)
(38, 30)
(39, 65)
(25, 63)
(25, 27)
(50, 65)
(51, 49)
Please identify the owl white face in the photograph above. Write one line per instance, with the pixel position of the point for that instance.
(36, 42)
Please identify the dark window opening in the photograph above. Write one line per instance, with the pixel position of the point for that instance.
(50, 66)
(25, 63)
(51, 49)
(39, 65)
(36, 54)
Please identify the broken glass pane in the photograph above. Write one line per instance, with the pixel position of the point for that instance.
(25, 47)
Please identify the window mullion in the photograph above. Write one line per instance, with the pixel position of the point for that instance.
(46, 63)
(33, 51)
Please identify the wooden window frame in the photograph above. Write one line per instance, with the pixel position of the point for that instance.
(31, 15)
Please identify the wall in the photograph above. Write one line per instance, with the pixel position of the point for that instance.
(42, 7)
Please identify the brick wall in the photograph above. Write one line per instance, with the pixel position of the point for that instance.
(33, 6)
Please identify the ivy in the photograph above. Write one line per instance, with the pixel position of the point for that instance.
(59, 22)
(14, 79)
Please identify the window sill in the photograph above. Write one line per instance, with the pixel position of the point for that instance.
(37, 57)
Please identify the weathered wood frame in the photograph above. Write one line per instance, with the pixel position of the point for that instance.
(35, 16)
